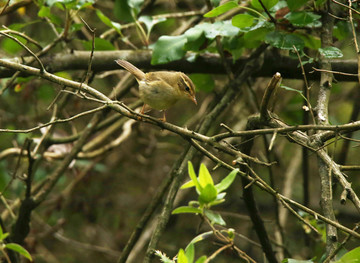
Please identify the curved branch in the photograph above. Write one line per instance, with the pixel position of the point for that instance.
(205, 63)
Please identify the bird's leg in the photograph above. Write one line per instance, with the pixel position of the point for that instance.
(164, 117)
(142, 112)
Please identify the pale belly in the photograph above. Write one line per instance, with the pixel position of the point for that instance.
(156, 98)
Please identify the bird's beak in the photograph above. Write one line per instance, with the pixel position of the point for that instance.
(194, 100)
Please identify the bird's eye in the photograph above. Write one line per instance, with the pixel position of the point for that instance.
(187, 89)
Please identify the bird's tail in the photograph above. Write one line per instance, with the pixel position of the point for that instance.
(139, 75)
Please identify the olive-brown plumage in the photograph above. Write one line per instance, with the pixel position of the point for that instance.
(161, 89)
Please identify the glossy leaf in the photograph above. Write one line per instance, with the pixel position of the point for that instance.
(181, 257)
(215, 218)
(295, 4)
(122, 11)
(46, 12)
(216, 202)
(126, 10)
(108, 22)
(221, 9)
(201, 259)
(207, 194)
(219, 28)
(2, 234)
(190, 252)
(341, 30)
(19, 249)
(303, 18)
(200, 237)
(235, 46)
(187, 210)
(195, 38)
(284, 41)
(204, 176)
(331, 52)
(193, 177)
(310, 41)
(352, 256)
(242, 20)
(168, 48)
(227, 181)
(253, 39)
(188, 184)
(150, 22)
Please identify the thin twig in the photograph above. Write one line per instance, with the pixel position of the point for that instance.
(42, 68)
(267, 12)
(307, 87)
(349, 7)
(55, 121)
(335, 72)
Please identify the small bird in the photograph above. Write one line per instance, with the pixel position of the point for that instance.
(161, 89)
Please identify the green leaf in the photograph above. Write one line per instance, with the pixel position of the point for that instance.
(215, 218)
(46, 12)
(2, 234)
(303, 18)
(10, 46)
(295, 4)
(204, 176)
(150, 22)
(195, 38)
(181, 257)
(122, 11)
(207, 194)
(202, 259)
(216, 202)
(203, 82)
(190, 252)
(310, 41)
(235, 46)
(200, 237)
(352, 256)
(267, 3)
(219, 28)
(341, 30)
(100, 44)
(22, 251)
(108, 22)
(242, 20)
(221, 9)
(193, 177)
(168, 48)
(227, 181)
(291, 89)
(188, 184)
(331, 52)
(127, 10)
(253, 39)
(284, 41)
(187, 210)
